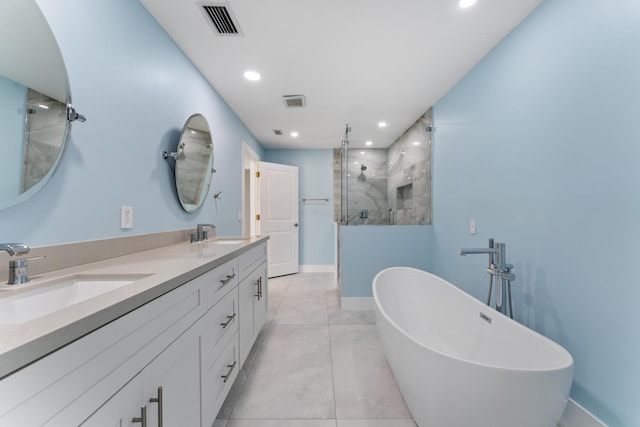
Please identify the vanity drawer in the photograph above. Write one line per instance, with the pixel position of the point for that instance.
(221, 280)
(218, 324)
(218, 377)
(251, 259)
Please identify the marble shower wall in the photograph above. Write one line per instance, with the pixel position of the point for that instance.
(367, 186)
(409, 189)
(395, 187)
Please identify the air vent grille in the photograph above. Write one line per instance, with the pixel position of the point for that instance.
(294, 101)
(277, 131)
(222, 18)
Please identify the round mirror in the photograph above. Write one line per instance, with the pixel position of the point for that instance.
(194, 163)
(34, 94)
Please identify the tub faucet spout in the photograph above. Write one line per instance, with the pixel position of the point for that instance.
(499, 269)
(473, 251)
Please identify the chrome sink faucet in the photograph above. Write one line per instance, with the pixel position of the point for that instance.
(499, 269)
(15, 248)
(201, 234)
(18, 272)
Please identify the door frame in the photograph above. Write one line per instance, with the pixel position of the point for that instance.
(250, 191)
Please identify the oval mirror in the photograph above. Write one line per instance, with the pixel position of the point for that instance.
(34, 90)
(194, 163)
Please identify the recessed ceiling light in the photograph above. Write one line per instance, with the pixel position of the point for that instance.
(294, 134)
(382, 124)
(253, 76)
(416, 143)
(368, 143)
(466, 3)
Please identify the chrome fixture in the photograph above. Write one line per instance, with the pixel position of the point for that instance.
(499, 269)
(73, 115)
(201, 234)
(15, 248)
(362, 177)
(19, 270)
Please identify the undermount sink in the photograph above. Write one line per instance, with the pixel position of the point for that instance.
(29, 304)
(227, 241)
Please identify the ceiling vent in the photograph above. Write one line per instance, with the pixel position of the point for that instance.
(294, 101)
(277, 131)
(220, 15)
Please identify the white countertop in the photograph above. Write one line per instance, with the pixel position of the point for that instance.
(165, 269)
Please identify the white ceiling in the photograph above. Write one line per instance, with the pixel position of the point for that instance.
(356, 61)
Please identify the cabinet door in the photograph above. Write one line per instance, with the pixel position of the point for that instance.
(260, 307)
(121, 408)
(253, 308)
(171, 383)
(247, 291)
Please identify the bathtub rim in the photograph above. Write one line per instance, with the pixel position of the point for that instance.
(568, 365)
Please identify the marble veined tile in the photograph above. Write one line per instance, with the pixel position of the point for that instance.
(364, 385)
(291, 377)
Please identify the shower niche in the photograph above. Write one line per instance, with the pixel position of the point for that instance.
(386, 186)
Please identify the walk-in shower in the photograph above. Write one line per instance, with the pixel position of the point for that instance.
(382, 186)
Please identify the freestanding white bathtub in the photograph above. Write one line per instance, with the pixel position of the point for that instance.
(460, 363)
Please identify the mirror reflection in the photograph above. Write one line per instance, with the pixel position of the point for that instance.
(34, 94)
(194, 163)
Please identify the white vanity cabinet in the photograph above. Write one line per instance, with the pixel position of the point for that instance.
(177, 356)
(252, 297)
(166, 392)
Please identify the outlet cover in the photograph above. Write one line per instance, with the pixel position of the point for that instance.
(126, 217)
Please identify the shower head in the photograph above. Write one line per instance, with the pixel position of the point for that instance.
(362, 177)
(429, 128)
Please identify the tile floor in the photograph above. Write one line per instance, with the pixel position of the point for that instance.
(314, 365)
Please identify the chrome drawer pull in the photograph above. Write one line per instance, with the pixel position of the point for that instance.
(158, 400)
(231, 368)
(228, 279)
(143, 416)
(259, 290)
(229, 320)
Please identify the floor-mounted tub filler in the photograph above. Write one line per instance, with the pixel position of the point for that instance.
(459, 363)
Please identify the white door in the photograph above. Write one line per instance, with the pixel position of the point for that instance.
(279, 216)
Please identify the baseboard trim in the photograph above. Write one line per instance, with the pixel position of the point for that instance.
(357, 304)
(577, 416)
(309, 268)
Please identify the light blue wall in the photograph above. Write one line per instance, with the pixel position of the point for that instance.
(317, 233)
(137, 89)
(365, 250)
(540, 144)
